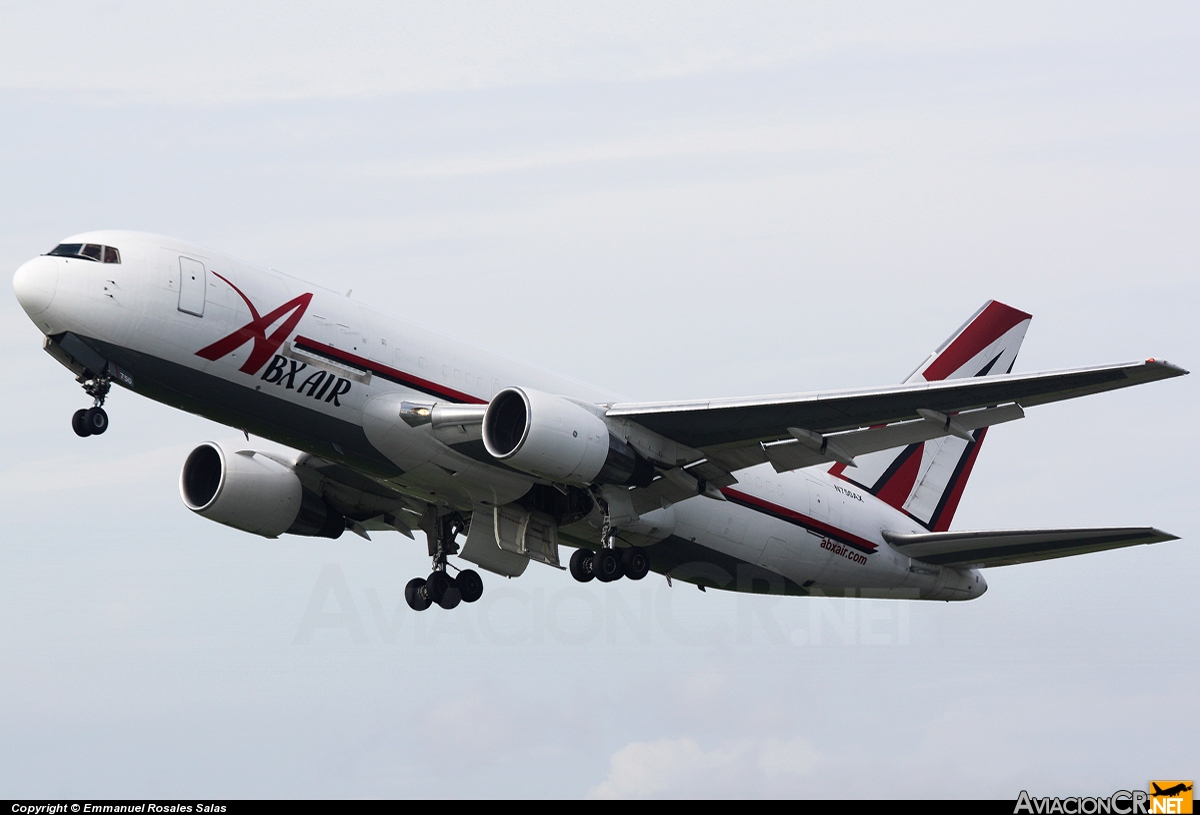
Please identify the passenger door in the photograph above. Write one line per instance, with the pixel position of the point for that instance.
(192, 285)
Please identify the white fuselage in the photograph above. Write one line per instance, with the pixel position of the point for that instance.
(329, 384)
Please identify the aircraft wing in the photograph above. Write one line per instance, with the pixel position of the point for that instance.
(368, 503)
(733, 423)
(1006, 547)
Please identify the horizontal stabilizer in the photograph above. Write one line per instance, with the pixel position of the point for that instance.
(1006, 547)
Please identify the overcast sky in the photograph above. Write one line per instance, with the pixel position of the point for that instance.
(668, 200)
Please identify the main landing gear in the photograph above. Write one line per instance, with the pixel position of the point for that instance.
(92, 421)
(440, 587)
(608, 563)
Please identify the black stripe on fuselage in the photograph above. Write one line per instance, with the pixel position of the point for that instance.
(241, 406)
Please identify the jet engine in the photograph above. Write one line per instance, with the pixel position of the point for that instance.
(251, 491)
(558, 439)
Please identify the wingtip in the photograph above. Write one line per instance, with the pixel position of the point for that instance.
(1174, 370)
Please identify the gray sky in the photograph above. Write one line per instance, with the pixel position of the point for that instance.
(670, 200)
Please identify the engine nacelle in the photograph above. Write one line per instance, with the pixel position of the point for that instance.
(254, 493)
(554, 438)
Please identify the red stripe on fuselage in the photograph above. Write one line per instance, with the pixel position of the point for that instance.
(995, 321)
(394, 374)
(800, 519)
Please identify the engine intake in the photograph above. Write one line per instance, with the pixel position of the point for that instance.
(254, 493)
(555, 438)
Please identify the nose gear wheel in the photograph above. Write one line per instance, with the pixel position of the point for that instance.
(94, 420)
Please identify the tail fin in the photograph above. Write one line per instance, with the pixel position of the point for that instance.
(926, 480)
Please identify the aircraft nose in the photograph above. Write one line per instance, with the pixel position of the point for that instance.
(35, 283)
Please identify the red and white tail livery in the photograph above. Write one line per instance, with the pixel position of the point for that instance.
(925, 480)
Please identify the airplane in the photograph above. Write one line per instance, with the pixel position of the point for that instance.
(1170, 792)
(395, 426)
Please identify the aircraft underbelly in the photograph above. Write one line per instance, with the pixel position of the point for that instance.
(802, 555)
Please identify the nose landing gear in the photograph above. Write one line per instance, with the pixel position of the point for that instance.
(440, 587)
(92, 421)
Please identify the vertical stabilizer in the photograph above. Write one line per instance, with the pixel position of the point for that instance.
(926, 480)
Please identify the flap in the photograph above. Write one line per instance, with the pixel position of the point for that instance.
(793, 455)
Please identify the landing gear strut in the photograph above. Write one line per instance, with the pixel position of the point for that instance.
(440, 587)
(92, 421)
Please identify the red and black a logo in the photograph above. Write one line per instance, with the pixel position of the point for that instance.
(264, 346)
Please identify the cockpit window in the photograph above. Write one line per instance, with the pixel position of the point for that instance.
(87, 251)
(67, 250)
